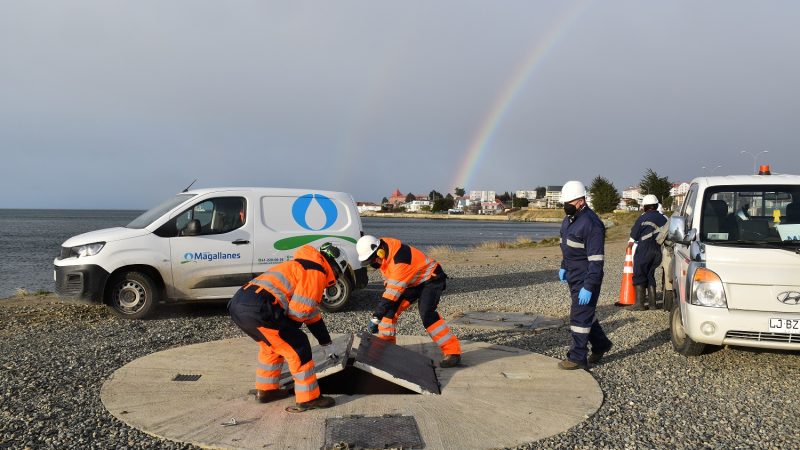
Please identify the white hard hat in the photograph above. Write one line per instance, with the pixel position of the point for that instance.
(572, 190)
(366, 246)
(649, 199)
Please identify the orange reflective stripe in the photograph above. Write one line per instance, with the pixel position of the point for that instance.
(268, 371)
(401, 276)
(305, 383)
(447, 341)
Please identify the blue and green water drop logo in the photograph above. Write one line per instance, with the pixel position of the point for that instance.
(300, 209)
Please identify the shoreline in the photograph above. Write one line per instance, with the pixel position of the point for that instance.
(484, 217)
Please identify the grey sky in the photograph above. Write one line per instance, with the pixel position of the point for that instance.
(119, 104)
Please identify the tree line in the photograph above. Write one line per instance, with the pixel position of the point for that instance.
(605, 196)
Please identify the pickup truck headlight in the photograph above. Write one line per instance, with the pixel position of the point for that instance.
(87, 250)
(707, 289)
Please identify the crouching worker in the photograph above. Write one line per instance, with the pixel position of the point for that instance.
(409, 276)
(272, 307)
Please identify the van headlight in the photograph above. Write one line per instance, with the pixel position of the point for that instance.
(87, 249)
(707, 289)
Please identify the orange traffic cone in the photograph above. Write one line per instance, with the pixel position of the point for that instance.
(627, 295)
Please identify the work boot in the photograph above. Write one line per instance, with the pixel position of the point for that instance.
(272, 395)
(595, 357)
(641, 292)
(571, 365)
(651, 292)
(317, 403)
(450, 361)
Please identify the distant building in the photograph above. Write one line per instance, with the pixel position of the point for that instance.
(678, 193)
(416, 205)
(367, 206)
(397, 197)
(530, 195)
(553, 196)
(482, 196)
(494, 207)
(633, 193)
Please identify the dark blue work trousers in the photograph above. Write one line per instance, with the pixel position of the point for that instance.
(645, 262)
(584, 327)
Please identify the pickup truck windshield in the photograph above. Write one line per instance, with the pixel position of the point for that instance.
(751, 215)
(154, 213)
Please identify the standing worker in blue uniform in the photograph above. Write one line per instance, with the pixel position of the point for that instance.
(647, 230)
(582, 248)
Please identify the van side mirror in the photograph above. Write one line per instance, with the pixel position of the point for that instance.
(678, 232)
(192, 228)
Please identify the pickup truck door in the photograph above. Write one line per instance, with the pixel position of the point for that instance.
(216, 262)
(682, 254)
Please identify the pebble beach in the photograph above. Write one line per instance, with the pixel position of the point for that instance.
(55, 356)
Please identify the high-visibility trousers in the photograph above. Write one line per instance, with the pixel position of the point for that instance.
(277, 343)
(428, 298)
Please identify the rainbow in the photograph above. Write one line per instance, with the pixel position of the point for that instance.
(509, 93)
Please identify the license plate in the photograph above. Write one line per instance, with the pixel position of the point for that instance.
(784, 325)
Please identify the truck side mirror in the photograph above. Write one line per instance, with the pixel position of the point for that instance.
(192, 228)
(678, 232)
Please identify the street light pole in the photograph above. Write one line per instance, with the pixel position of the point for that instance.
(754, 157)
(712, 170)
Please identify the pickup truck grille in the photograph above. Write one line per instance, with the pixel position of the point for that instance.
(764, 337)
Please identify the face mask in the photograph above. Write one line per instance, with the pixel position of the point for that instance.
(570, 209)
(374, 264)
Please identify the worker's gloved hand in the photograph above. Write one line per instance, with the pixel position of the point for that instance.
(562, 275)
(373, 325)
(584, 296)
(330, 351)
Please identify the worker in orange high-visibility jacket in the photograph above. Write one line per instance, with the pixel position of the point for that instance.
(272, 307)
(409, 276)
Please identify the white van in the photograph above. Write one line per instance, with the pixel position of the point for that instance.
(206, 243)
(736, 270)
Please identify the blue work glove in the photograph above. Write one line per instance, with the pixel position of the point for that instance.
(373, 325)
(562, 275)
(584, 296)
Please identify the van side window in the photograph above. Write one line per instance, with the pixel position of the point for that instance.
(212, 216)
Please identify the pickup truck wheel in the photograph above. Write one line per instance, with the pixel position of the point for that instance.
(336, 296)
(682, 343)
(133, 295)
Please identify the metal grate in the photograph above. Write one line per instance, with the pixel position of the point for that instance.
(764, 337)
(182, 377)
(387, 431)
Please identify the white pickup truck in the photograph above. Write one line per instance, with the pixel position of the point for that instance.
(736, 265)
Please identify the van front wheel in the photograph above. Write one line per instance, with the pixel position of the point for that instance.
(133, 295)
(336, 296)
(682, 343)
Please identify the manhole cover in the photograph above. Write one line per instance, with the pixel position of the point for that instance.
(372, 432)
(506, 320)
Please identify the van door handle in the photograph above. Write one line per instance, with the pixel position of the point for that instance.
(241, 242)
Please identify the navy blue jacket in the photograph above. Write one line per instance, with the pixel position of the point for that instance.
(645, 230)
(583, 238)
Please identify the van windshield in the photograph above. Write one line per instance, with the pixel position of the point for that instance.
(751, 215)
(154, 213)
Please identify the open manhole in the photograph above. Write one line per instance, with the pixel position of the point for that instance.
(388, 431)
(505, 320)
(377, 367)
(354, 381)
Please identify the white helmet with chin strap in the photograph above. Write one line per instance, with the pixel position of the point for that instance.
(366, 247)
(572, 190)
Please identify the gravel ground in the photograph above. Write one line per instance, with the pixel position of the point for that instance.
(54, 356)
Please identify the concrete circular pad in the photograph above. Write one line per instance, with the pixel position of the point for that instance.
(499, 397)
